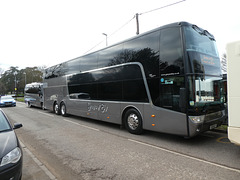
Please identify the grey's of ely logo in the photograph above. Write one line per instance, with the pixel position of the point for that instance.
(101, 108)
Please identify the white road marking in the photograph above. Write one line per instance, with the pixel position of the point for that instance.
(46, 114)
(81, 125)
(186, 156)
(138, 142)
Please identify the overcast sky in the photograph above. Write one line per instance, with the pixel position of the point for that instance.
(48, 32)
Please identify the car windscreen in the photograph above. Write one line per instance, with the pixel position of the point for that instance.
(7, 97)
(4, 125)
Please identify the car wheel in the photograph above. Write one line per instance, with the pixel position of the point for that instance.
(133, 121)
(63, 109)
(56, 108)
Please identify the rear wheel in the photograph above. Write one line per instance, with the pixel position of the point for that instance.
(56, 108)
(133, 121)
(29, 104)
(63, 109)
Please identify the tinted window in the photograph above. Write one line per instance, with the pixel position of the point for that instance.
(83, 78)
(130, 72)
(109, 74)
(88, 62)
(200, 40)
(73, 66)
(202, 52)
(33, 88)
(110, 91)
(56, 71)
(110, 56)
(171, 53)
(116, 83)
(134, 90)
(170, 92)
(83, 91)
(50, 73)
(145, 50)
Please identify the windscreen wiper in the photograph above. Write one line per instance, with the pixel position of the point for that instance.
(203, 32)
(209, 35)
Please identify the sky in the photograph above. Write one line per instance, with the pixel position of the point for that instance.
(48, 32)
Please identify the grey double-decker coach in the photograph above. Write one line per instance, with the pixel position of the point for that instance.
(166, 80)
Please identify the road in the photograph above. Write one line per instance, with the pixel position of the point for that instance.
(83, 149)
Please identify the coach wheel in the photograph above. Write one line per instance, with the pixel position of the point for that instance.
(56, 109)
(63, 109)
(133, 121)
(29, 104)
(42, 107)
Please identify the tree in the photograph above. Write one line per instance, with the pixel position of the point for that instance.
(1, 71)
(8, 80)
(14, 78)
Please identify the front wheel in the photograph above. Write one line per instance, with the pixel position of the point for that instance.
(42, 107)
(133, 121)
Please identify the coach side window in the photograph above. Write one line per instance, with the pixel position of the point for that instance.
(171, 53)
(88, 62)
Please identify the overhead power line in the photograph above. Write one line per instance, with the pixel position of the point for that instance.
(137, 15)
(123, 26)
(137, 21)
(162, 7)
(111, 34)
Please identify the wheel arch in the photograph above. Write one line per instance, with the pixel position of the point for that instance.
(53, 105)
(62, 102)
(126, 109)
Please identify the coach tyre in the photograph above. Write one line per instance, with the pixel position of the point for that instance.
(42, 107)
(133, 121)
(63, 109)
(56, 108)
(29, 104)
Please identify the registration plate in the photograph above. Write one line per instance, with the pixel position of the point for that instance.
(213, 126)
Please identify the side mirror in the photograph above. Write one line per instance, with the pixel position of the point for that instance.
(17, 125)
(182, 100)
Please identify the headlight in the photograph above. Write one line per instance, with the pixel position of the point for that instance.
(12, 157)
(197, 119)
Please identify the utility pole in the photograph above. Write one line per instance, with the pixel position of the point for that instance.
(137, 24)
(15, 86)
(106, 38)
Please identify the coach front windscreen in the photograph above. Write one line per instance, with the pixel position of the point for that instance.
(203, 71)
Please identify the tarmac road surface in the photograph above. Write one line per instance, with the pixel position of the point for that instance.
(78, 148)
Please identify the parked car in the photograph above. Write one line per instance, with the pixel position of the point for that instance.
(7, 101)
(10, 150)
